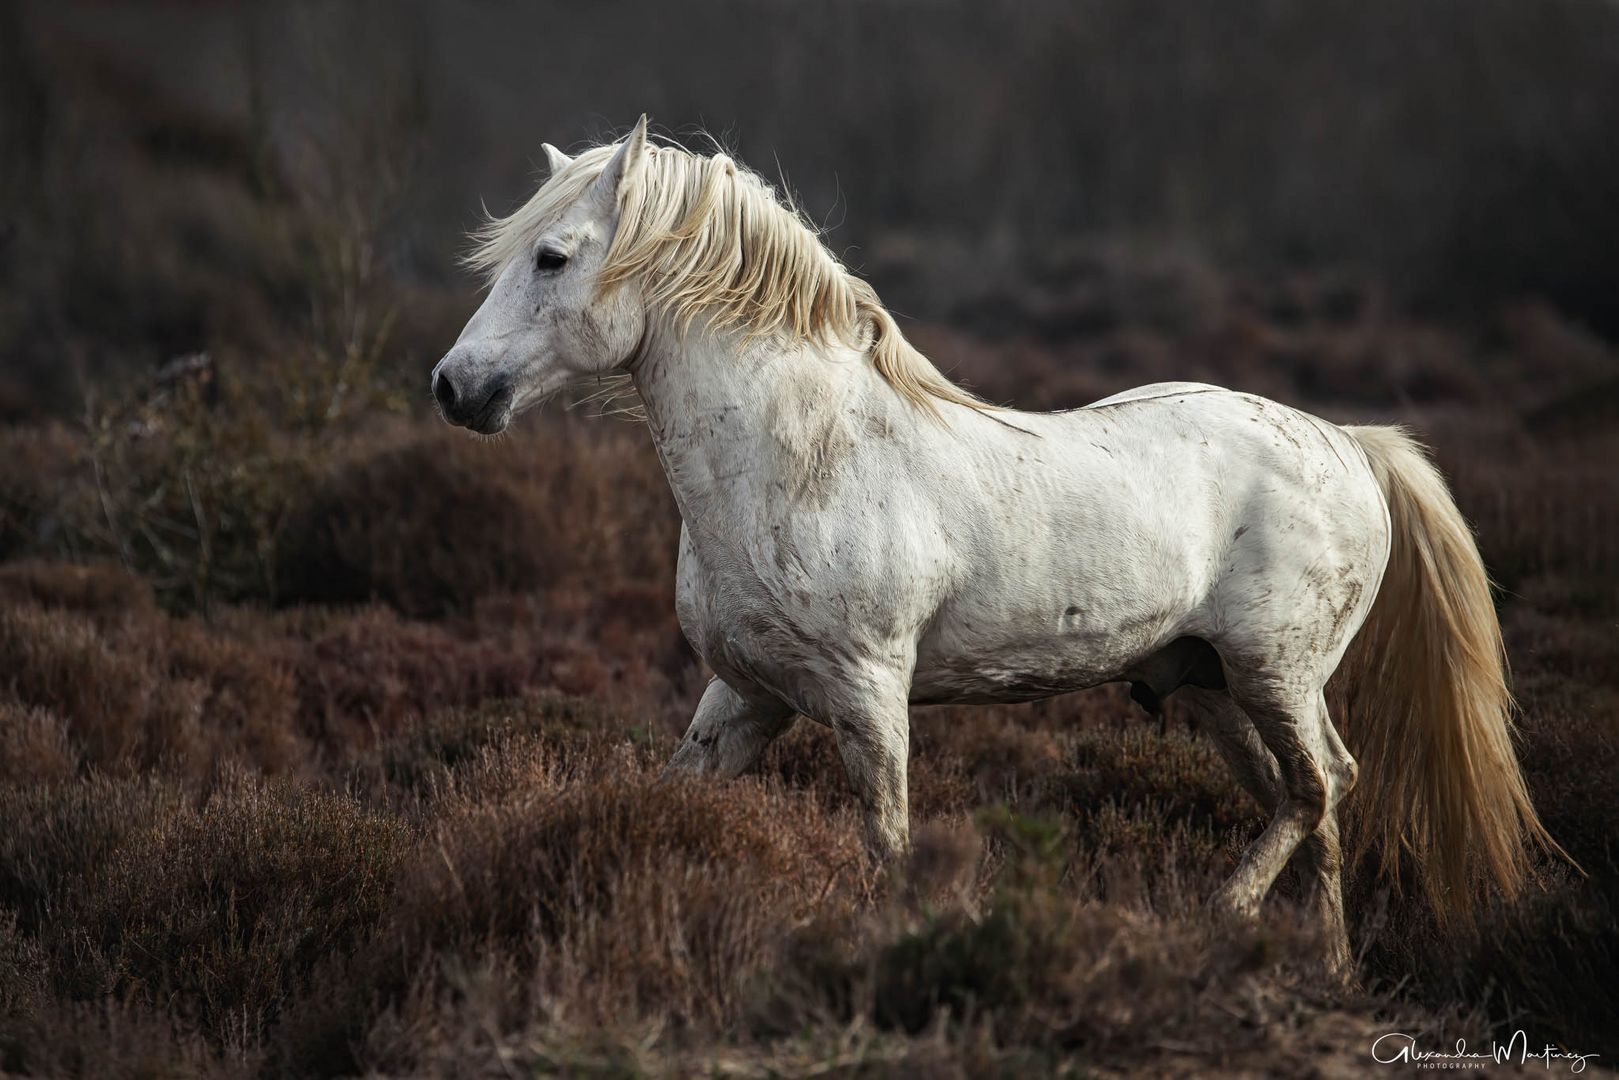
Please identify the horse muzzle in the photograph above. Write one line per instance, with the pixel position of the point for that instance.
(483, 405)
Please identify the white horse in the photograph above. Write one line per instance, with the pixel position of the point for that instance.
(861, 535)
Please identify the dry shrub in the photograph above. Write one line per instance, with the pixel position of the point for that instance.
(961, 757)
(631, 623)
(60, 837)
(432, 524)
(806, 760)
(1542, 513)
(681, 943)
(563, 889)
(257, 886)
(425, 754)
(114, 1040)
(426, 528)
(1180, 778)
(137, 894)
(969, 757)
(34, 744)
(511, 872)
(1073, 336)
(1123, 784)
(22, 971)
(102, 590)
(34, 469)
(1545, 963)
(1041, 971)
(1570, 751)
(371, 671)
(585, 895)
(136, 690)
(1551, 965)
(186, 478)
(944, 858)
(629, 656)
(529, 766)
(121, 710)
(249, 709)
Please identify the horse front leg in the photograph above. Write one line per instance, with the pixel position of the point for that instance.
(874, 751)
(869, 714)
(728, 732)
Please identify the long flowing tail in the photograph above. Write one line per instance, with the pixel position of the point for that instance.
(1428, 710)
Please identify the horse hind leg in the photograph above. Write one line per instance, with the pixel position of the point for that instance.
(1258, 769)
(1239, 744)
(1324, 863)
(1291, 760)
(1324, 853)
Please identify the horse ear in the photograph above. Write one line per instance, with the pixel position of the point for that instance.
(555, 159)
(624, 164)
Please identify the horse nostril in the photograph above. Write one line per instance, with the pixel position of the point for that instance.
(444, 392)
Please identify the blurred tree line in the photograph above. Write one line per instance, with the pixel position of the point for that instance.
(174, 172)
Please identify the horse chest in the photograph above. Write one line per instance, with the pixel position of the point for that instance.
(778, 617)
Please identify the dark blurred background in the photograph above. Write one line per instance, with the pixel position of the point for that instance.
(170, 169)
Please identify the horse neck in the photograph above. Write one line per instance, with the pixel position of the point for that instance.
(728, 416)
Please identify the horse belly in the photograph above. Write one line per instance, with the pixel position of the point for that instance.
(1036, 654)
(1027, 675)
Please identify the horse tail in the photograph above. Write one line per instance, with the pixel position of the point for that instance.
(1429, 715)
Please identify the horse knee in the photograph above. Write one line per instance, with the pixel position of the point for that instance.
(692, 755)
(1316, 770)
(1309, 811)
(1307, 797)
(727, 734)
(1345, 772)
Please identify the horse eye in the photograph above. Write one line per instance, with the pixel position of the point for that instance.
(550, 260)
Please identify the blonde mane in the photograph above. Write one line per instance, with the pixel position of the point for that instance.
(704, 235)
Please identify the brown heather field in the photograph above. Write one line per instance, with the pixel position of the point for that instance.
(328, 736)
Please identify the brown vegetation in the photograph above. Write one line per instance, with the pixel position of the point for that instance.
(418, 831)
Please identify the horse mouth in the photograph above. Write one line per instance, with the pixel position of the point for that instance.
(495, 414)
